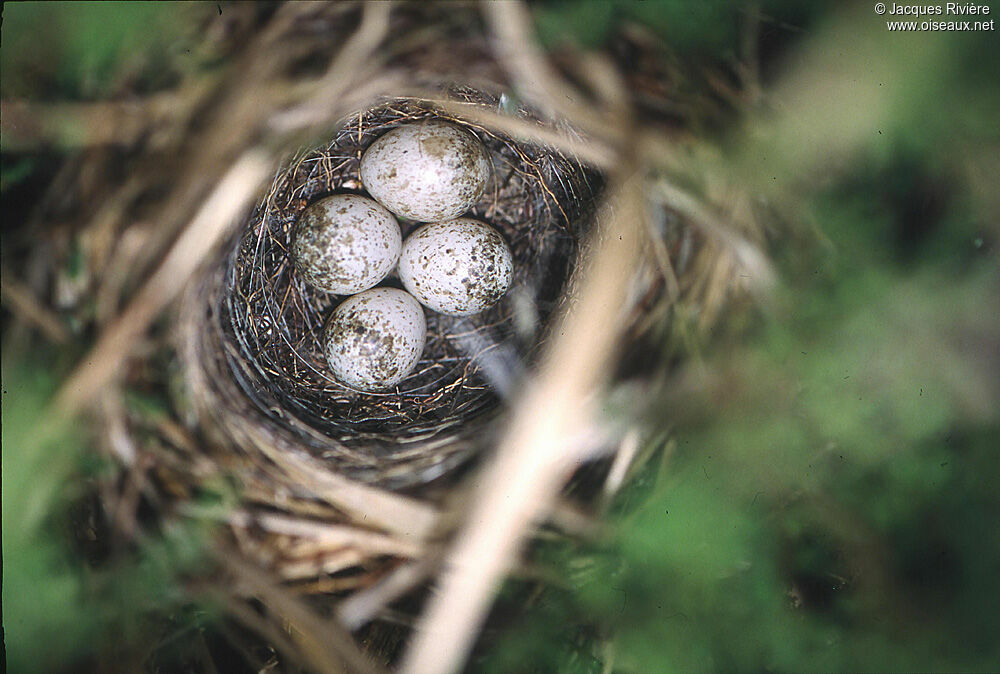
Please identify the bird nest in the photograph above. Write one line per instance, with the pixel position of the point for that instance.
(258, 357)
(336, 490)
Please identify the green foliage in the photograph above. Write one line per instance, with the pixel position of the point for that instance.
(832, 503)
(688, 26)
(58, 609)
(18, 172)
(587, 22)
(544, 640)
(41, 618)
(833, 499)
(705, 29)
(77, 50)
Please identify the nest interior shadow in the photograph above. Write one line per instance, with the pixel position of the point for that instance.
(269, 323)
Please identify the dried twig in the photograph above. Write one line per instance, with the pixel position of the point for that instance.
(594, 152)
(21, 302)
(365, 505)
(626, 454)
(231, 197)
(328, 535)
(363, 606)
(323, 643)
(355, 62)
(750, 256)
(534, 457)
(28, 125)
(518, 51)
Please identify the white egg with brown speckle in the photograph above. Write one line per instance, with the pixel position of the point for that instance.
(374, 339)
(345, 243)
(426, 171)
(457, 267)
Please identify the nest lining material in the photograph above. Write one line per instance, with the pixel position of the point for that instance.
(267, 324)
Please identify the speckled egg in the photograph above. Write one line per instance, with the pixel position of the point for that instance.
(426, 171)
(457, 267)
(345, 243)
(375, 338)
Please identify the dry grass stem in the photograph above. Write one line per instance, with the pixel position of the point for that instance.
(593, 152)
(27, 125)
(323, 643)
(21, 302)
(533, 457)
(231, 197)
(356, 62)
(532, 76)
(364, 504)
(750, 256)
(365, 605)
(627, 451)
(323, 535)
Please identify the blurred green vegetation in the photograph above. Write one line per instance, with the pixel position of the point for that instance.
(833, 501)
(42, 621)
(694, 29)
(87, 51)
(60, 605)
(75, 594)
(80, 50)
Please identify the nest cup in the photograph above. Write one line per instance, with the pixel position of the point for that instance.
(260, 368)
